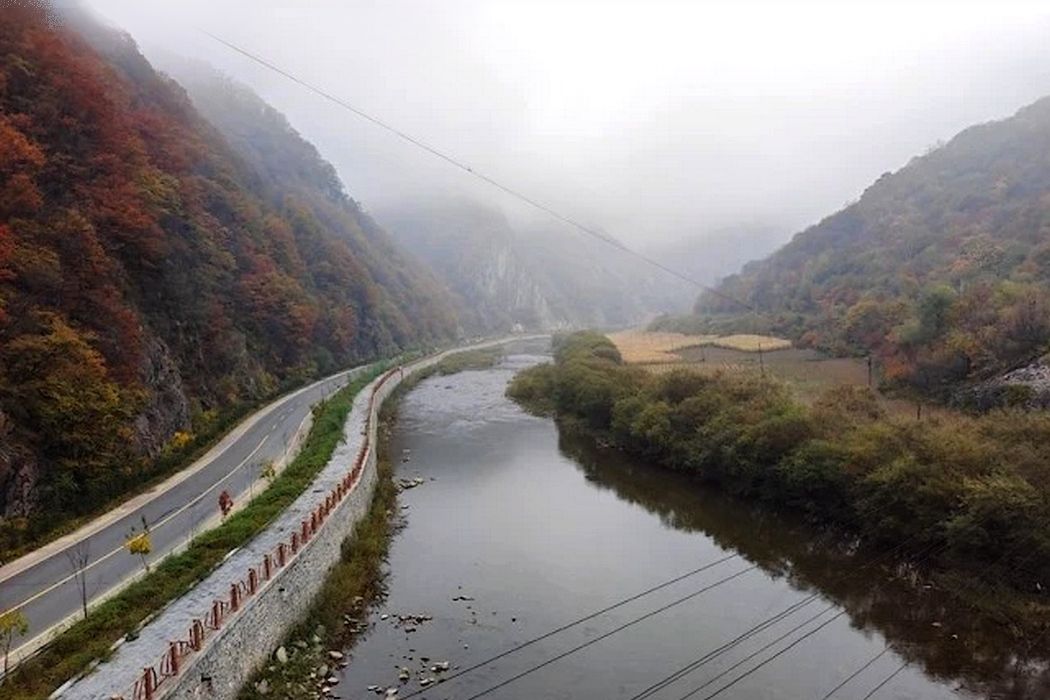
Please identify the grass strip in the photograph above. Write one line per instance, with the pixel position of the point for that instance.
(339, 614)
(19, 536)
(92, 638)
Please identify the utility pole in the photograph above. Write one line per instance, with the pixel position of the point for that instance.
(761, 361)
(869, 370)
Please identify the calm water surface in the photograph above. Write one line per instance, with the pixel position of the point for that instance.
(537, 530)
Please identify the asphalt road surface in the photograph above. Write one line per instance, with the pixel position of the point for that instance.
(46, 590)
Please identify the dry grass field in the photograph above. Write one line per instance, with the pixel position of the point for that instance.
(807, 372)
(643, 347)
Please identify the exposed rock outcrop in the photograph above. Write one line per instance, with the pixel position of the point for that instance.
(1027, 386)
(167, 409)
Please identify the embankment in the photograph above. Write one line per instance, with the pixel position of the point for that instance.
(208, 642)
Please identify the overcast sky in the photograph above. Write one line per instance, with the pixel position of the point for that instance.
(650, 120)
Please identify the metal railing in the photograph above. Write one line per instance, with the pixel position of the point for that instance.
(256, 578)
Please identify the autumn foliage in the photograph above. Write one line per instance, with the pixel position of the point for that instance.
(940, 270)
(973, 489)
(149, 280)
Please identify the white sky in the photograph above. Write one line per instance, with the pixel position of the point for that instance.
(651, 120)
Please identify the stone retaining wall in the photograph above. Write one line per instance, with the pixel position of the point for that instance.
(218, 667)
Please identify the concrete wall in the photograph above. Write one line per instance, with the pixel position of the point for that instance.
(244, 643)
(233, 653)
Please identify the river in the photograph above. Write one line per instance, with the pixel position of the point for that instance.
(516, 530)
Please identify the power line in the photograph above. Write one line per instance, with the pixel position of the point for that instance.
(711, 655)
(615, 630)
(468, 169)
(790, 610)
(872, 660)
(772, 658)
(766, 646)
(579, 621)
(885, 680)
(856, 673)
(798, 641)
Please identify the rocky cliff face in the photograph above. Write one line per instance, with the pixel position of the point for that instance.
(543, 278)
(167, 409)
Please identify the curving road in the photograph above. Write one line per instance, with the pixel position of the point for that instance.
(42, 584)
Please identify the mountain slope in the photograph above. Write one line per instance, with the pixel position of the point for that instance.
(942, 269)
(150, 279)
(541, 278)
(289, 169)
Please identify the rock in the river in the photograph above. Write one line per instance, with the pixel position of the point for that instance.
(335, 655)
(281, 655)
(262, 687)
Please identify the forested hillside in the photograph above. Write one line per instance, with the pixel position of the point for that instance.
(287, 167)
(539, 277)
(941, 270)
(152, 280)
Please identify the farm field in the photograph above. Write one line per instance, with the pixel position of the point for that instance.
(644, 347)
(807, 372)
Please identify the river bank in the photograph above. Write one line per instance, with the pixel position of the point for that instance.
(963, 498)
(304, 667)
(513, 529)
(520, 528)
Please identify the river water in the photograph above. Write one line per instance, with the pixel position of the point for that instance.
(516, 531)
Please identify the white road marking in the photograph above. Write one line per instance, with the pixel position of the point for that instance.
(154, 527)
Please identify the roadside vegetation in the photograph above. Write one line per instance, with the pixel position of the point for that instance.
(93, 637)
(153, 282)
(19, 536)
(300, 668)
(970, 494)
(340, 611)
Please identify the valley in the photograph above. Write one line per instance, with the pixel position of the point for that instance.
(494, 349)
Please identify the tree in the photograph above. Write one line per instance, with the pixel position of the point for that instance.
(12, 624)
(269, 471)
(79, 555)
(140, 544)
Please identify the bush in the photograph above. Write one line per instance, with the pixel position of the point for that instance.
(974, 489)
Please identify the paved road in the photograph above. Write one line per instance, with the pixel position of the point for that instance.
(42, 584)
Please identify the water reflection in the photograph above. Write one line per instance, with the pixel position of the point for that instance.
(924, 625)
(520, 527)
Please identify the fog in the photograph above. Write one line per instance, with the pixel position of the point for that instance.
(653, 121)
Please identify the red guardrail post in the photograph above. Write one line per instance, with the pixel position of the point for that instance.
(295, 542)
(173, 655)
(235, 595)
(216, 615)
(196, 635)
(267, 567)
(149, 683)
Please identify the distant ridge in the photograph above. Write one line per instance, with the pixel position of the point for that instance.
(941, 270)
